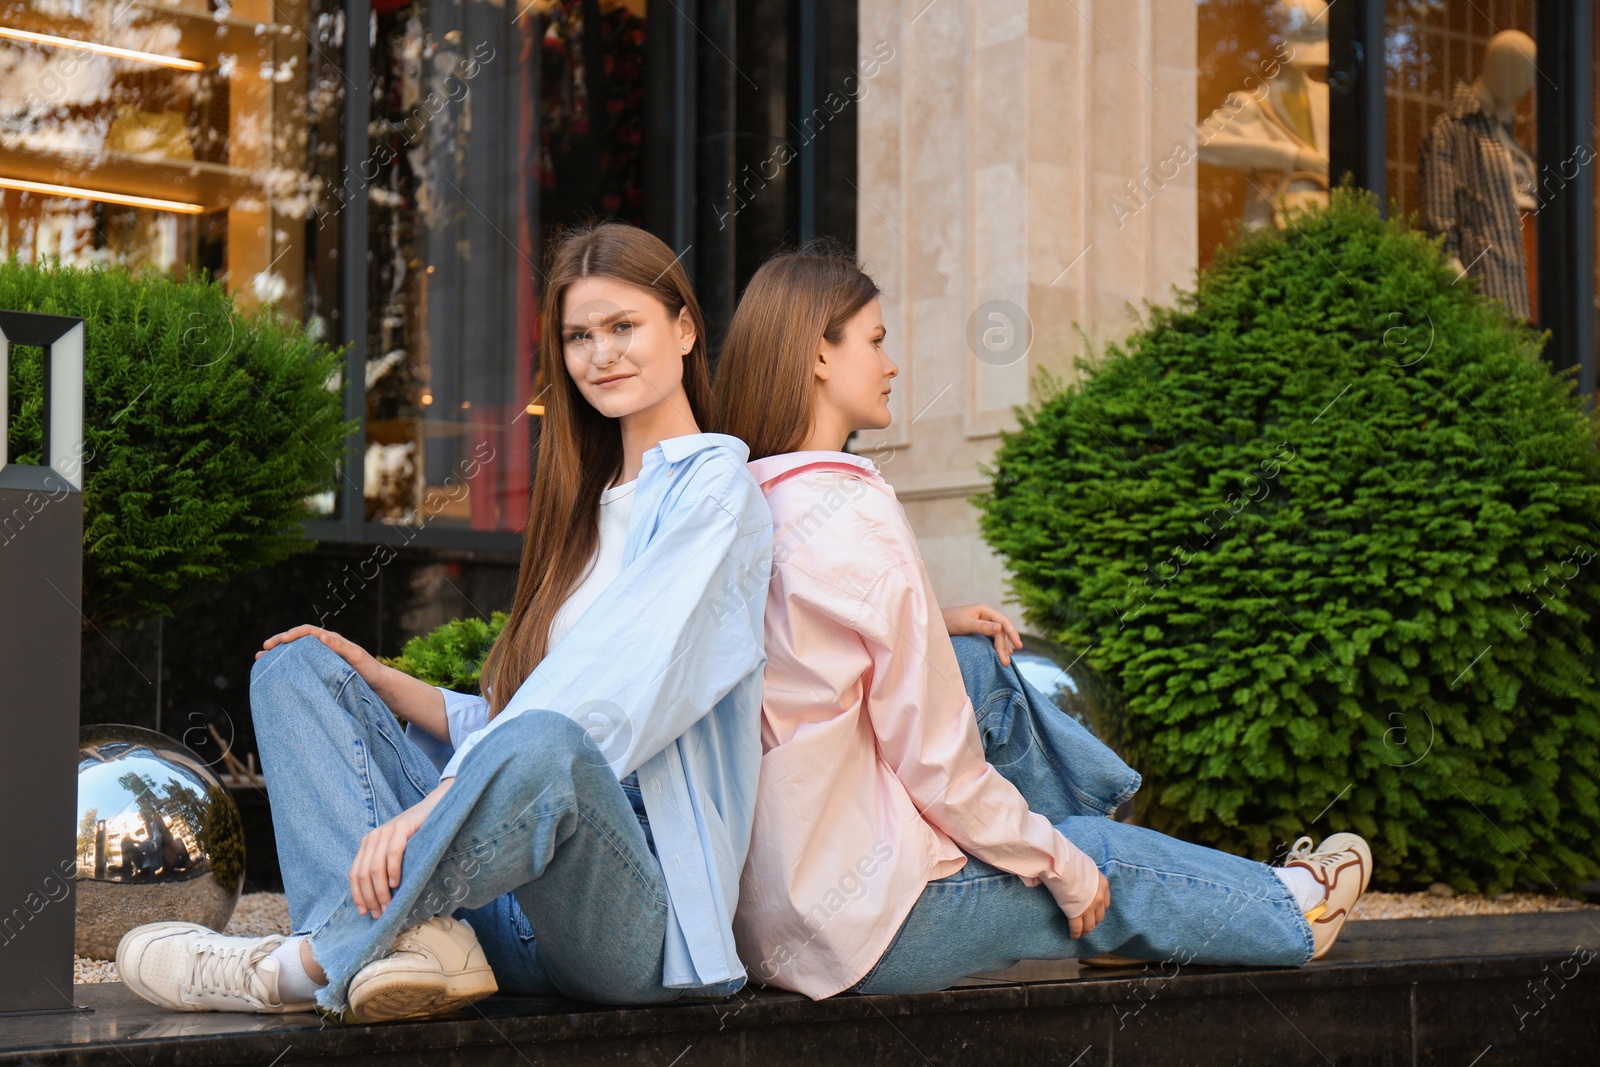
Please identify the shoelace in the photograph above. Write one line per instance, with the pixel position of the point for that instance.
(228, 970)
(408, 941)
(1321, 861)
(1300, 851)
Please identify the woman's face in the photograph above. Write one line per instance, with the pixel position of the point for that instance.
(622, 348)
(853, 375)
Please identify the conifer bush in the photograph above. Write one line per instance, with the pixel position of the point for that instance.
(205, 433)
(450, 655)
(1329, 525)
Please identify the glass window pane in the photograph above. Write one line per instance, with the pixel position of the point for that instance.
(1262, 122)
(493, 127)
(1461, 136)
(177, 136)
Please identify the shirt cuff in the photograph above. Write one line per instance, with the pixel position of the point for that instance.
(466, 715)
(1075, 888)
(464, 712)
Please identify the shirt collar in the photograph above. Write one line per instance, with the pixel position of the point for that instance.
(674, 449)
(770, 468)
(1464, 104)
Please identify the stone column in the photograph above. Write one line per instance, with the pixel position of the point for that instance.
(1026, 172)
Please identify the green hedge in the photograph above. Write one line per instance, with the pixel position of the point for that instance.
(205, 431)
(1329, 524)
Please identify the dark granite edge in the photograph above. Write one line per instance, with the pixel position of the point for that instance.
(554, 1020)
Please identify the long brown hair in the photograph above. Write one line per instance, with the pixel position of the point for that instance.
(765, 390)
(580, 450)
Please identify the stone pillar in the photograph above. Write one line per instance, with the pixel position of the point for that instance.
(1025, 168)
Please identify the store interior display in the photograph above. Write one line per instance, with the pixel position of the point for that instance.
(163, 135)
(188, 137)
(1274, 128)
(545, 112)
(1479, 183)
(591, 108)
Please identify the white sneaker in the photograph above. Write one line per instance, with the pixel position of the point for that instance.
(189, 967)
(435, 967)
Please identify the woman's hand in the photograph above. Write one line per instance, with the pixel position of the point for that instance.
(363, 661)
(1094, 914)
(982, 619)
(414, 700)
(376, 870)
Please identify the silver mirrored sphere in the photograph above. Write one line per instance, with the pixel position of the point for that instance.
(159, 837)
(1064, 677)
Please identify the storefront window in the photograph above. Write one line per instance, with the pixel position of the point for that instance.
(1461, 148)
(493, 126)
(1262, 124)
(179, 136)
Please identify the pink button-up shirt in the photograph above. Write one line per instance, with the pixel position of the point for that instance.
(873, 781)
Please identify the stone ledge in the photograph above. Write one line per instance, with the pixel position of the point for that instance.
(1409, 991)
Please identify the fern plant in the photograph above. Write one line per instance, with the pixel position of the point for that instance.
(206, 432)
(1330, 525)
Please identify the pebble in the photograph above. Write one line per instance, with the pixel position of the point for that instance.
(1442, 889)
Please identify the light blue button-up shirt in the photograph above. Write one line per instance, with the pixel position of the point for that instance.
(664, 670)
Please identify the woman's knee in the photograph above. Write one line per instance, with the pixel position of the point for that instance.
(292, 658)
(976, 656)
(543, 744)
(288, 678)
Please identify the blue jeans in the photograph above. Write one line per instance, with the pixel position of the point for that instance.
(1170, 900)
(1060, 768)
(535, 845)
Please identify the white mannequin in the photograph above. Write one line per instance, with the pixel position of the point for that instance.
(1478, 187)
(1257, 134)
(1507, 75)
(1508, 70)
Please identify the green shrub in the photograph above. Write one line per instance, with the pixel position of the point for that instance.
(205, 431)
(1329, 525)
(450, 655)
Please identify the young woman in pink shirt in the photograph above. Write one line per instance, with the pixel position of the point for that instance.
(923, 813)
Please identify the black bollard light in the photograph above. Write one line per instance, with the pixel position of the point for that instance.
(41, 589)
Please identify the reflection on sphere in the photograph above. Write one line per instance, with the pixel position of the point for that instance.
(159, 838)
(1066, 678)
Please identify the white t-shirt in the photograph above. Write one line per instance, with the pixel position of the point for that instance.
(616, 509)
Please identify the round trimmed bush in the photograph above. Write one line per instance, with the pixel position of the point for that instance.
(206, 432)
(1330, 527)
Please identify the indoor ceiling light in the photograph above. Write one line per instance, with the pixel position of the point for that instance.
(45, 189)
(102, 49)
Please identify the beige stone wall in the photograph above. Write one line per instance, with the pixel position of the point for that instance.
(1003, 149)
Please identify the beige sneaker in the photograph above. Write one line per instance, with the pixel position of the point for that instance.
(435, 967)
(189, 967)
(1343, 865)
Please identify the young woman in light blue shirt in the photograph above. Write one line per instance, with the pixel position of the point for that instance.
(586, 835)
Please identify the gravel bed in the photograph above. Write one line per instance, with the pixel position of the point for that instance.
(1432, 905)
(257, 915)
(260, 914)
